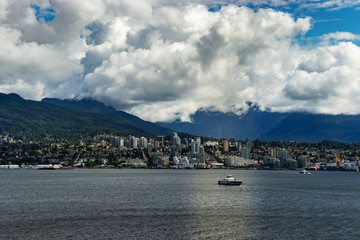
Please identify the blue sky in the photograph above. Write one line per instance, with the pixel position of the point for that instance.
(343, 20)
(163, 60)
(340, 16)
(46, 14)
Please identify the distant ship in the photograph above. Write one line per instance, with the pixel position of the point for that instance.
(230, 180)
(52, 167)
(304, 172)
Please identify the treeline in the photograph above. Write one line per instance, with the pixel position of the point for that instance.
(33, 121)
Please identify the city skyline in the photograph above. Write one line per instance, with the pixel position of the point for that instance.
(164, 60)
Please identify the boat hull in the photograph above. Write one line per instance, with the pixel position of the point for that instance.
(230, 183)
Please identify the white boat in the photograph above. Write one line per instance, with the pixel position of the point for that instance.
(230, 180)
(304, 172)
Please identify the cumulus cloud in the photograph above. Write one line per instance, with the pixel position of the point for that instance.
(164, 60)
(339, 36)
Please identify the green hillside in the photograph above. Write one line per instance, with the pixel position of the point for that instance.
(92, 106)
(35, 120)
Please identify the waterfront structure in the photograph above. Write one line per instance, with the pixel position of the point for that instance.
(108, 149)
(245, 153)
(302, 162)
(235, 161)
(291, 163)
(283, 155)
(272, 162)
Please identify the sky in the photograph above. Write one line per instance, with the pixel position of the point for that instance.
(163, 60)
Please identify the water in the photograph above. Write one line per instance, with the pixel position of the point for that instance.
(178, 204)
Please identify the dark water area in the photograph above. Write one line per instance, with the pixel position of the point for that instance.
(178, 204)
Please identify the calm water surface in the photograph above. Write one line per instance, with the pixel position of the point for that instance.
(178, 204)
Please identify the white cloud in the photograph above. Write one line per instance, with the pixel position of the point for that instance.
(164, 60)
(25, 89)
(339, 36)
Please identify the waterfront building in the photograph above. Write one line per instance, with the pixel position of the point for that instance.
(276, 163)
(176, 160)
(283, 155)
(185, 162)
(302, 162)
(245, 153)
(235, 161)
(272, 162)
(291, 163)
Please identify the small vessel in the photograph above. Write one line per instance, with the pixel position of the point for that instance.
(304, 172)
(230, 180)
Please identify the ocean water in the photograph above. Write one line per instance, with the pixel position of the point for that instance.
(178, 204)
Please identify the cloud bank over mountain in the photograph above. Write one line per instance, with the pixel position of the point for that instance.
(164, 60)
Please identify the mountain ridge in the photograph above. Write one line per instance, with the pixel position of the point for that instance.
(273, 126)
(93, 106)
(255, 124)
(36, 120)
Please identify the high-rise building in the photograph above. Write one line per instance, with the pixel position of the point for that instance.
(143, 142)
(134, 142)
(198, 139)
(122, 142)
(194, 148)
(302, 162)
(245, 153)
(157, 144)
(226, 145)
(283, 155)
(116, 142)
(201, 150)
(249, 145)
(238, 146)
(186, 142)
(176, 139)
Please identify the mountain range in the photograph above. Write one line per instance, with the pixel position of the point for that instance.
(71, 116)
(92, 106)
(254, 124)
(35, 120)
(272, 126)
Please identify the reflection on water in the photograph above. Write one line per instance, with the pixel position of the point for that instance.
(178, 204)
